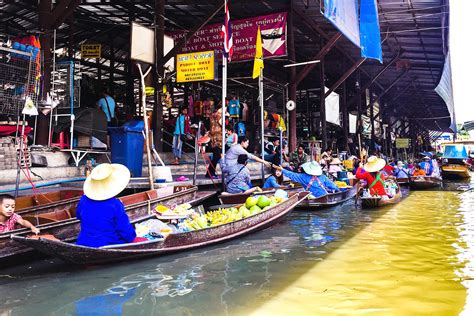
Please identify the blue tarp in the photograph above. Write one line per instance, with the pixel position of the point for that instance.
(343, 15)
(370, 44)
(455, 152)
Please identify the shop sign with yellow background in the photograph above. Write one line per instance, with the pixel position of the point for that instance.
(402, 143)
(199, 66)
(91, 50)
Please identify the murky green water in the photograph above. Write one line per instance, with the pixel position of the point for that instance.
(414, 258)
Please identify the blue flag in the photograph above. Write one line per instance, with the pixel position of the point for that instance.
(370, 44)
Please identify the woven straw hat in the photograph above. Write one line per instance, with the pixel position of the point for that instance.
(106, 181)
(374, 164)
(312, 168)
(335, 161)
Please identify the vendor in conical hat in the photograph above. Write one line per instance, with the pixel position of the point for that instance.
(312, 179)
(335, 167)
(372, 175)
(102, 215)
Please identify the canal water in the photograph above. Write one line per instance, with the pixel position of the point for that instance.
(414, 258)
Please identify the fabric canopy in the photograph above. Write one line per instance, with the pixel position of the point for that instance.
(92, 122)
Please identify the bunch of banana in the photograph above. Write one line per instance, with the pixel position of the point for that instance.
(340, 184)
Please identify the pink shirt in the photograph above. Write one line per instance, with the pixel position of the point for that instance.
(10, 223)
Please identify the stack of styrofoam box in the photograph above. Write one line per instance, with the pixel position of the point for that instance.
(10, 153)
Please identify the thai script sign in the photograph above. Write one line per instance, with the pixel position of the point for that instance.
(197, 66)
(244, 32)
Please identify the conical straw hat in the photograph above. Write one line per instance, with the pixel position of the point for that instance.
(374, 164)
(106, 181)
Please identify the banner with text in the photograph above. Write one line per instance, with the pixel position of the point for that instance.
(244, 32)
(199, 66)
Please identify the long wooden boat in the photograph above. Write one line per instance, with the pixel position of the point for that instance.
(425, 182)
(329, 200)
(377, 201)
(69, 252)
(64, 224)
(403, 181)
(47, 202)
(455, 171)
(237, 198)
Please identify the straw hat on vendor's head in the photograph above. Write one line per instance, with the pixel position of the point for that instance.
(374, 164)
(312, 168)
(335, 161)
(106, 181)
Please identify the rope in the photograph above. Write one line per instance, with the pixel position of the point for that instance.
(206, 159)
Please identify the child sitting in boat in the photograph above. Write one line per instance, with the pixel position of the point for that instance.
(312, 179)
(275, 180)
(418, 172)
(8, 219)
(103, 218)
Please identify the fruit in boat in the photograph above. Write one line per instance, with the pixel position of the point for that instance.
(263, 201)
(251, 201)
(255, 210)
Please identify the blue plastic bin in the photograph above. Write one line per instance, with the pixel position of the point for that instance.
(127, 146)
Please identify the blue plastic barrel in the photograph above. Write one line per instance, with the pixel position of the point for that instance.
(127, 146)
(342, 176)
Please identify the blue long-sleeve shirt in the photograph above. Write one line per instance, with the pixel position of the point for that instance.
(271, 182)
(103, 223)
(304, 179)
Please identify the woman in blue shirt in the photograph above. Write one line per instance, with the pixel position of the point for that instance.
(275, 180)
(103, 218)
(312, 179)
(238, 178)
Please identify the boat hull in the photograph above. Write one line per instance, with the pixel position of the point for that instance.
(173, 243)
(329, 200)
(375, 202)
(137, 206)
(425, 182)
(455, 172)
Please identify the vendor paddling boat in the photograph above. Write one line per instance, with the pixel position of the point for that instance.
(65, 249)
(63, 223)
(425, 182)
(378, 201)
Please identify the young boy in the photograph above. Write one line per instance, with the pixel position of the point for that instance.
(8, 218)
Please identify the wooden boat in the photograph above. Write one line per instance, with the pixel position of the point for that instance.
(237, 198)
(377, 201)
(46, 202)
(403, 181)
(424, 182)
(455, 171)
(330, 199)
(81, 255)
(63, 223)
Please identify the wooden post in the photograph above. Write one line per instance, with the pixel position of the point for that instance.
(322, 104)
(157, 118)
(293, 85)
(130, 96)
(359, 109)
(345, 115)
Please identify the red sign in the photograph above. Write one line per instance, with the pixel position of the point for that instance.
(244, 33)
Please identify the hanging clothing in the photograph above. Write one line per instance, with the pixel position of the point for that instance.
(234, 108)
(207, 108)
(190, 106)
(240, 128)
(281, 124)
(198, 108)
(245, 112)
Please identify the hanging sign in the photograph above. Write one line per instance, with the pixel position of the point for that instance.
(91, 50)
(244, 32)
(402, 143)
(199, 66)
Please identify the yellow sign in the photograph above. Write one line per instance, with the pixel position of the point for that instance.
(149, 91)
(402, 142)
(91, 50)
(197, 66)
